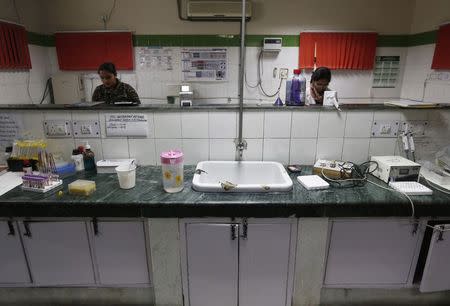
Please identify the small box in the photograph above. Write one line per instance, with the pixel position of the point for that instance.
(312, 182)
(82, 187)
(109, 165)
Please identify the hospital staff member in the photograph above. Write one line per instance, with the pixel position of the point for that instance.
(113, 90)
(320, 79)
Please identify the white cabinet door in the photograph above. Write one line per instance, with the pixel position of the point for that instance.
(371, 252)
(264, 265)
(212, 265)
(436, 276)
(13, 264)
(120, 252)
(58, 253)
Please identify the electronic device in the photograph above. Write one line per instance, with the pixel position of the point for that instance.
(333, 169)
(330, 99)
(312, 182)
(186, 95)
(272, 44)
(294, 168)
(411, 188)
(394, 168)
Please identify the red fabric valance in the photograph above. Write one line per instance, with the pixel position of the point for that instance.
(14, 53)
(338, 50)
(441, 58)
(86, 51)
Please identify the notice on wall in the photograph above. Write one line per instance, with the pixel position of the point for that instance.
(206, 64)
(155, 58)
(10, 129)
(126, 125)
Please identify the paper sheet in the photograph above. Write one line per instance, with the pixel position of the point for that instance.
(9, 180)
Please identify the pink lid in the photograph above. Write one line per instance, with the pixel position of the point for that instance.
(172, 157)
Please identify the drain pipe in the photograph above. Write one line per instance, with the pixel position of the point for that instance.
(241, 144)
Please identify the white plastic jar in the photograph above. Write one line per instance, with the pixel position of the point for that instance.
(172, 171)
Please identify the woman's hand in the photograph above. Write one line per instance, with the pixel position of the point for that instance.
(316, 96)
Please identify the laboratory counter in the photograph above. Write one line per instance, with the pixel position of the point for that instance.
(149, 200)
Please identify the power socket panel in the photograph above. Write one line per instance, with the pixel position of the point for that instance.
(417, 127)
(385, 129)
(284, 73)
(58, 128)
(86, 129)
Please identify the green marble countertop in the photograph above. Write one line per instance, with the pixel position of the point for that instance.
(148, 199)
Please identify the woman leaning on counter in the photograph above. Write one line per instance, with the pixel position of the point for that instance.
(113, 90)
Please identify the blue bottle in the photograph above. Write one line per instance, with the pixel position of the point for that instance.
(296, 89)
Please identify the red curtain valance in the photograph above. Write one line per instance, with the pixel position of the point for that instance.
(14, 53)
(338, 50)
(441, 58)
(86, 51)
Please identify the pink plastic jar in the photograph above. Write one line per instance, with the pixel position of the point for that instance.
(172, 170)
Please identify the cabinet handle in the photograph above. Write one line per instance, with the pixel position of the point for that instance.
(95, 225)
(441, 234)
(234, 231)
(415, 228)
(244, 229)
(12, 231)
(27, 229)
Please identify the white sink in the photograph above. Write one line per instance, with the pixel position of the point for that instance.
(245, 176)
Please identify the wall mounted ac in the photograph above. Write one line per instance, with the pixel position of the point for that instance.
(213, 10)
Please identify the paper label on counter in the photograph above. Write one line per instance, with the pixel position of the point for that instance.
(126, 125)
(10, 129)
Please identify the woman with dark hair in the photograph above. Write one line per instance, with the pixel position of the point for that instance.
(113, 90)
(320, 79)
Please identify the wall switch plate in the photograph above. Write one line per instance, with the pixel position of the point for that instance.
(385, 129)
(86, 128)
(284, 73)
(57, 128)
(417, 127)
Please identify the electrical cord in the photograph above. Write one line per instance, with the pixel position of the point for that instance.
(46, 90)
(107, 18)
(17, 11)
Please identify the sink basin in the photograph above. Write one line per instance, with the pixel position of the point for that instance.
(244, 176)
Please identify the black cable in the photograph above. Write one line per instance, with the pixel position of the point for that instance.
(354, 173)
(47, 86)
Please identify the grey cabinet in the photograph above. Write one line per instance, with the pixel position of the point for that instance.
(436, 275)
(372, 253)
(246, 264)
(120, 252)
(13, 264)
(58, 253)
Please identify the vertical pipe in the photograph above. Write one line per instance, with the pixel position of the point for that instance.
(240, 144)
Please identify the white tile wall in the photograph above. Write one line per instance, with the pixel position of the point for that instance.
(358, 124)
(222, 149)
(277, 124)
(356, 150)
(303, 143)
(332, 124)
(195, 150)
(305, 124)
(276, 150)
(303, 151)
(143, 150)
(168, 125)
(329, 148)
(222, 124)
(194, 125)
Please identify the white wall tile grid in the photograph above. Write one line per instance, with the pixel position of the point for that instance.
(285, 136)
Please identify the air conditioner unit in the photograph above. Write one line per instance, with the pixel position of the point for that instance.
(213, 9)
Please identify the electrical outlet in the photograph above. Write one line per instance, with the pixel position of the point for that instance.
(417, 127)
(284, 73)
(386, 129)
(57, 128)
(86, 129)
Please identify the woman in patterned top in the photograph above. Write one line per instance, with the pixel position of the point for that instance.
(113, 90)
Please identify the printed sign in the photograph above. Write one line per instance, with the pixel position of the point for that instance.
(126, 125)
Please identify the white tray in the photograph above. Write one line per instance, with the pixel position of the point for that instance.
(47, 188)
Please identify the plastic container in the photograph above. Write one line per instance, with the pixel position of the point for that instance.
(82, 187)
(172, 171)
(296, 89)
(66, 169)
(127, 175)
(77, 158)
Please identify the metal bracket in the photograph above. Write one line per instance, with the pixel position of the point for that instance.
(244, 229)
(234, 230)
(95, 225)
(12, 231)
(27, 233)
(441, 233)
(415, 227)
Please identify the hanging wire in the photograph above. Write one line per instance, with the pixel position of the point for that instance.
(17, 11)
(107, 18)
